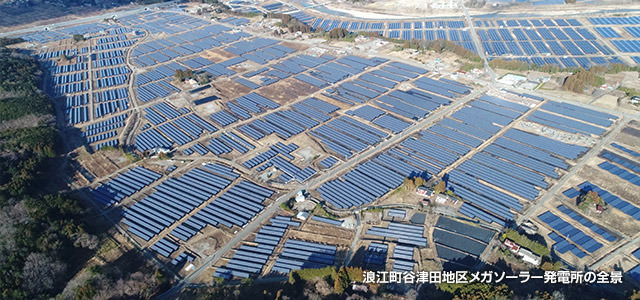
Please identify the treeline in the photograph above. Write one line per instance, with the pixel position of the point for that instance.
(340, 34)
(293, 25)
(517, 65)
(40, 229)
(578, 81)
(10, 41)
(439, 46)
(449, 46)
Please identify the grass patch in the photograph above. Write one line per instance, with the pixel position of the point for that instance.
(107, 246)
(319, 210)
(288, 205)
(630, 92)
(525, 242)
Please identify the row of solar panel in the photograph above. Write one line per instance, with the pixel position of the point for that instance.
(625, 149)
(108, 54)
(111, 107)
(77, 100)
(328, 162)
(73, 77)
(110, 143)
(160, 89)
(69, 68)
(569, 62)
(578, 48)
(611, 199)
(190, 123)
(527, 23)
(376, 254)
(582, 220)
(274, 150)
(328, 25)
(539, 34)
(116, 37)
(108, 95)
(178, 196)
(627, 46)
(404, 233)
(108, 62)
(71, 88)
(225, 144)
(390, 169)
(249, 260)
(111, 72)
(124, 185)
(301, 255)
(77, 115)
(620, 172)
(114, 45)
(564, 228)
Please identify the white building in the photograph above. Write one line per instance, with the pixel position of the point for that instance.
(303, 215)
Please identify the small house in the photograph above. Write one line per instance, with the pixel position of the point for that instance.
(424, 191)
(303, 215)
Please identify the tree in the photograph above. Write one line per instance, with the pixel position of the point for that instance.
(78, 37)
(549, 266)
(203, 78)
(408, 183)
(285, 19)
(588, 199)
(181, 75)
(418, 181)
(338, 33)
(440, 187)
(41, 272)
(476, 290)
(341, 282)
(10, 41)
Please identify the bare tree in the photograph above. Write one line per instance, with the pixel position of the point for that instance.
(41, 272)
(88, 241)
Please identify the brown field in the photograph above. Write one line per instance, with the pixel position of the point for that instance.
(97, 163)
(217, 55)
(297, 46)
(285, 91)
(230, 89)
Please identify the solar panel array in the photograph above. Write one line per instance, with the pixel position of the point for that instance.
(612, 200)
(459, 244)
(251, 259)
(524, 39)
(625, 149)
(413, 157)
(172, 200)
(171, 126)
(104, 130)
(328, 162)
(620, 172)
(299, 254)
(183, 257)
(327, 220)
(376, 254)
(397, 213)
(124, 185)
(586, 223)
(403, 233)
(403, 260)
(518, 162)
(569, 232)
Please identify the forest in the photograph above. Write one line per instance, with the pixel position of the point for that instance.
(40, 231)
